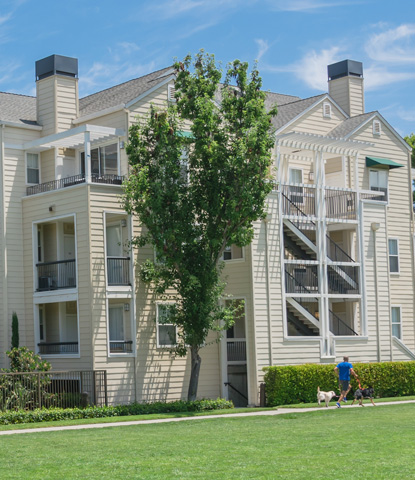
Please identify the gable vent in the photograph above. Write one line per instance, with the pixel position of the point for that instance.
(327, 110)
(376, 127)
(171, 92)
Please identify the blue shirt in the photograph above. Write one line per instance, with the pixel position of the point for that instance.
(344, 370)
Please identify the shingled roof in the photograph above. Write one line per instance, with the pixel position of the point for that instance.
(18, 108)
(121, 94)
(289, 111)
(348, 125)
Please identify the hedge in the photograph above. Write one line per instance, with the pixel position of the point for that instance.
(298, 384)
(54, 414)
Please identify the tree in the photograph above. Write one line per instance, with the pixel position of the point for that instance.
(410, 140)
(198, 192)
(15, 331)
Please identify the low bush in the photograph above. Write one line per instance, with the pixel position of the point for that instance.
(298, 384)
(54, 414)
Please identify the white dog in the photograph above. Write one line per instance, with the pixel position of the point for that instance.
(325, 396)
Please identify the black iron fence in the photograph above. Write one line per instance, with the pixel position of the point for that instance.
(57, 348)
(236, 350)
(73, 180)
(383, 197)
(341, 204)
(118, 269)
(55, 275)
(301, 278)
(121, 346)
(53, 389)
(298, 200)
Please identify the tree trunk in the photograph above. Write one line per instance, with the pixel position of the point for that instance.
(194, 375)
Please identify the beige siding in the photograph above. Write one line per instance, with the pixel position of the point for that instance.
(347, 92)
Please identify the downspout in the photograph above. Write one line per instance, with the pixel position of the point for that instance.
(4, 238)
(375, 227)
(268, 291)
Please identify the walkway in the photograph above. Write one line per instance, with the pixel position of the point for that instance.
(280, 411)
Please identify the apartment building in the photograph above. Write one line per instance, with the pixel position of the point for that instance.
(330, 271)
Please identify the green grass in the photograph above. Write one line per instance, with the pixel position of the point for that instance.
(336, 443)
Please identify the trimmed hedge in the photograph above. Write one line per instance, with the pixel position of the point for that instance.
(298, 384)
(54, 414)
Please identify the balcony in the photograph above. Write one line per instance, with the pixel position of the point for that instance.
(57, 348)
(121, 346)
(71, 181)
(236, 350)
(56, 275)
(118, 271)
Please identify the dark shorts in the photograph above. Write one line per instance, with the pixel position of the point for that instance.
(345, 385)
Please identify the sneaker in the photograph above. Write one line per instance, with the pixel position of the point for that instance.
(338, 405)
(344, 400)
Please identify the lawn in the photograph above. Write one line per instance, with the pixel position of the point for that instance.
(340, 444)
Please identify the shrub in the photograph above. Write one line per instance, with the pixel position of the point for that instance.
(298, 384)
(54, 414)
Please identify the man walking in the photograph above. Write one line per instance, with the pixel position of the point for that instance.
(343, 371)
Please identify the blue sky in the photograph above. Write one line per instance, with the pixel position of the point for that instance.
(293, 41)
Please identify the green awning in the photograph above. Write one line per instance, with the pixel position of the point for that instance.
(184, 134)
(381, 162)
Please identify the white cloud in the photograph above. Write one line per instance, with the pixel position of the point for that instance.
(393, 46)
(408, 115)
(312, 68)
(5, 18)
(378, 76)
(306, 5)
(129, 47)
(262, 47)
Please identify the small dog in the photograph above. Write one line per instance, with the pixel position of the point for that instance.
(325, 396)
(362, 393)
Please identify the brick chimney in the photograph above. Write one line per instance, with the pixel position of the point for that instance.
(346, 86)
(56, 93)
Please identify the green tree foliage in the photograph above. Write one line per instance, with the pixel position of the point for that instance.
(15, 331)
(199, 191)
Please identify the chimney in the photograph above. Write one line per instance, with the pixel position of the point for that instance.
(56, 93)
(346, 86)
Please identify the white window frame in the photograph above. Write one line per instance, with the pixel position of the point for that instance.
(326, 110)
(399, 309)
(378, 171)
(168, 324)
(377, 128)
(397, 255)
(38, 167)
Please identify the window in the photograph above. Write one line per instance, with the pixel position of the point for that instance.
(296, 193)
(104, 160)
(396, 322)
(32, 168)
(393, 255)
(233, 253)
(326, 110)
(378, 181)
(376, 127)
(116, 323)
(166, 331)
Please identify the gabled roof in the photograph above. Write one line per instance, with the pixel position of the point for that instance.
(278, 99)
(349, 125)
(121, 94)
(19, 109)
(289, 111)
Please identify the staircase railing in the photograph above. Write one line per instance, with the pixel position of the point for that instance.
(338, 327)
(236, 390)
(309, 278)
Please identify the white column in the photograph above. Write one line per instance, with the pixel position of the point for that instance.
(87, 143)
(278, 165)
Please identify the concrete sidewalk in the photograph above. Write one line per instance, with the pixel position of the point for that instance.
(280, 411)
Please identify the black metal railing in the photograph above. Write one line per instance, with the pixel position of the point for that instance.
(338, 326)
(121, 346)
(118, 270)
(380, 198)
(236, 390)
(301, 278)
(343, 279)
(340, 204)
(57, 348)
(53, 389)
(73, 180)
(336, 253)
(56, 275)
(298, 200)
(236, 350)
